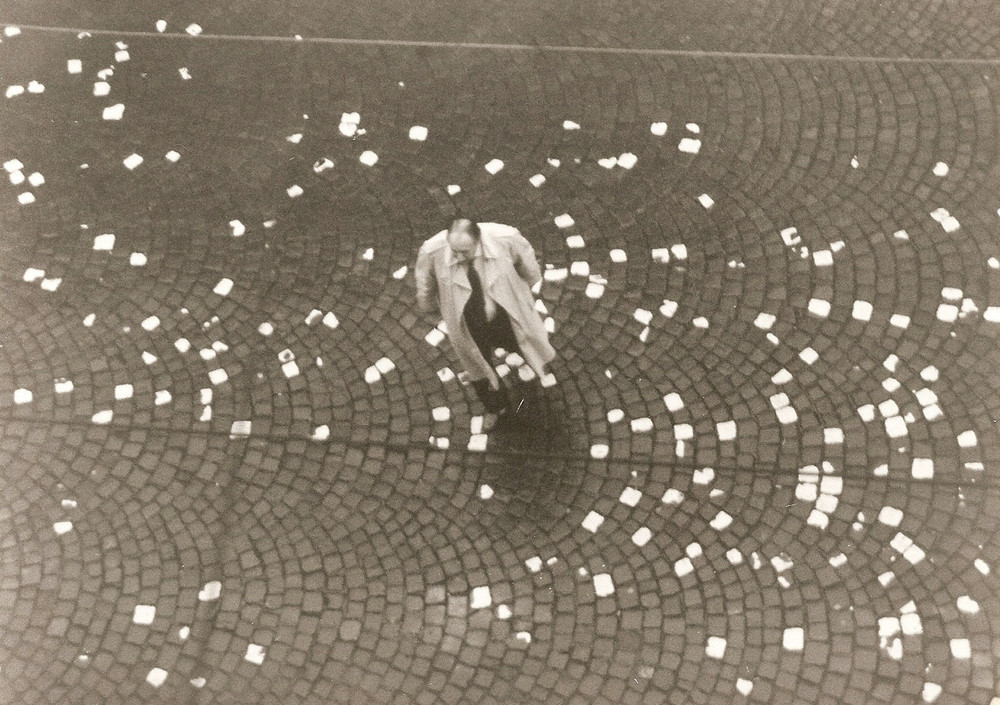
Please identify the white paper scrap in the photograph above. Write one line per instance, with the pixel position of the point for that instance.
(819, 307)
(793, 639)
(143, 614)
(255, 654)
(764, 321)
(156, 677)
(630, 496)
(592, 522)
(716, 647)
(210, 591)
(480, 598)
(599, 451)
(689, 145)
(603, 585)
(922, 468)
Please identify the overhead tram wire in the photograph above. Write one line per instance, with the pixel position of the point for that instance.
(547, 48)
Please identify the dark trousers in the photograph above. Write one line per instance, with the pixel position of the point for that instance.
(490, 335)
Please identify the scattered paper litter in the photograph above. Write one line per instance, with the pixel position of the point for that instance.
(793, 639)
(144, 614)
(349, 124)
(819, 307)
(22, 396)
(210, 591)
(255, 654)
(716, 647)
(790, 236)
(322, 165)
(689, 145)
(592, 522)
(603, 585)
(480, 598)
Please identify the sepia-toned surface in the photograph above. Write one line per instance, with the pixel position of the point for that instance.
(238, 466)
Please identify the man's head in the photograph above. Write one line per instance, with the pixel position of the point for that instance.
(463, 237)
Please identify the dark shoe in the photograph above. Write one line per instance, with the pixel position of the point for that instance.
(492, 419)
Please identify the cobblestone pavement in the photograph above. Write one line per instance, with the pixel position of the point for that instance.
(236, 466)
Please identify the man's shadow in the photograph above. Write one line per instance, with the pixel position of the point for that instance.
(531, 456)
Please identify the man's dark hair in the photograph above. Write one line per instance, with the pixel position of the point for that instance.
(476, 230)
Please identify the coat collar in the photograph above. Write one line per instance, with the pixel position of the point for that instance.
(488, 249)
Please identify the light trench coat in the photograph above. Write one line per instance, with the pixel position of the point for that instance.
(509, 270)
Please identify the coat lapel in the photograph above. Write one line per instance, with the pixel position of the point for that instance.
(457, 271)
(491, 272)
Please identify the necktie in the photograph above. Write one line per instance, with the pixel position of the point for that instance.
(477, 300)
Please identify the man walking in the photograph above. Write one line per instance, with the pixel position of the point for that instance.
(484, 274)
